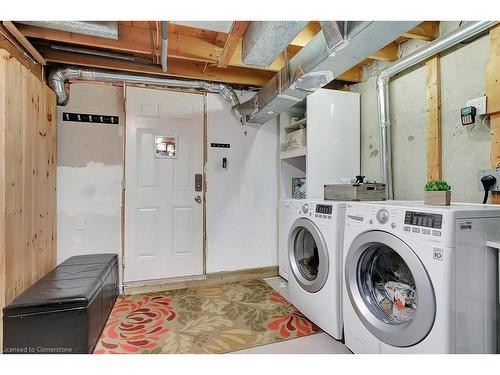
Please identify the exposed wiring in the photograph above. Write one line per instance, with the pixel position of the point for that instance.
(486, 126)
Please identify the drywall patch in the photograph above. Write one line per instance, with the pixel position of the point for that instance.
(91, 190)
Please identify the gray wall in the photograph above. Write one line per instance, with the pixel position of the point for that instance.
(89, 173)
(465, 149)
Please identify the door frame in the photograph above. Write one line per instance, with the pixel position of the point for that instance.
(406, 333)
(204, 195)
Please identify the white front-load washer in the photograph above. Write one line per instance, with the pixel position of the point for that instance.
(420, 279)
(315, 262)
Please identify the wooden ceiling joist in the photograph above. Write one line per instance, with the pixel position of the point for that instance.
(176, 68)
(427, 31)
(24, 42)
(196, 53)
(388, 53)
(232, 42)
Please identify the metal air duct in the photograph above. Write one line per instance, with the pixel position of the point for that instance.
(316, 64)
(433, 48)
(101, 29)
(60, 76)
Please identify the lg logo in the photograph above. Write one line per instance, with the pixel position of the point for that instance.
(438, 254)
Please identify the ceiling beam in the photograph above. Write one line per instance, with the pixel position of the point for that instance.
(24, 42)
(427, 30)
(237, 31)
(389, 53)
(137, 40)
(176, 68)
(352, 75)
(306, 34)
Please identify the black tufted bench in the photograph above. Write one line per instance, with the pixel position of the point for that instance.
(66, 310)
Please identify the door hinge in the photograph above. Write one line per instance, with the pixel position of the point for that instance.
(124, 184)
(123, 262)
(125, 105)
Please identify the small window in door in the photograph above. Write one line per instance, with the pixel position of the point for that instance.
(165, 147)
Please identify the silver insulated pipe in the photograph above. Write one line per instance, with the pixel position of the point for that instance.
(60, 76)
(384, 115)
(164, 45)
(101, 29)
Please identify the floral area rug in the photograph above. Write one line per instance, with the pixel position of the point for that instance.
(212, 319)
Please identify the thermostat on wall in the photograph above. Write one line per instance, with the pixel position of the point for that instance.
(468, 115)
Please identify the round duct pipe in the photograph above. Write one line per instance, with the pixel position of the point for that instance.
(59, 77)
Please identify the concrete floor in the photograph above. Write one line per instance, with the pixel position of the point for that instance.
(320, 343)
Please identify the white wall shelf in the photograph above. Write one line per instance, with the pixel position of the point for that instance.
(296, 152)
(332, 122)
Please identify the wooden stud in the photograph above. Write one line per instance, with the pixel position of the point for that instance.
(493, 101)
(24, 42)
(234, 38)
(434, 155)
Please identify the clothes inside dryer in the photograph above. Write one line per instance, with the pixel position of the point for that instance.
(387, 285)
(306, 254)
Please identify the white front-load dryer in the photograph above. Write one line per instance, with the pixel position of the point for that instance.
(420, 279)
(315, 262)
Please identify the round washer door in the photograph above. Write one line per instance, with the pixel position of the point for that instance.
(389, 288)
(308, 255)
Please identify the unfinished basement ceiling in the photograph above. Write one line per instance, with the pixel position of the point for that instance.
(219, 26)
(213, 51)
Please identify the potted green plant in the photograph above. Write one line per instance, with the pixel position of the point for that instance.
(437, 193)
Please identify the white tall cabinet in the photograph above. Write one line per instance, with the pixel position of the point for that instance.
(332, 151)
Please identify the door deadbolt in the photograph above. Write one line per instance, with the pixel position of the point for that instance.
(197, 199)
(198, 182)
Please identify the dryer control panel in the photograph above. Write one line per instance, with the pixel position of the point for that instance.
(324, 209)
(423, 219)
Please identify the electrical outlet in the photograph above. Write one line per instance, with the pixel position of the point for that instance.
(485, 172)
(80, 223)
(479, 103)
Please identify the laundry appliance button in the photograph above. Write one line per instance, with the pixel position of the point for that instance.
(426, 231)
(406, 229)
(436, 233)
(415, 230)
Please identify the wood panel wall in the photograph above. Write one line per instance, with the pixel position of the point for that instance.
(27, 178)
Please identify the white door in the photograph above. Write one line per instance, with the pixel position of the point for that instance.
(163, 163)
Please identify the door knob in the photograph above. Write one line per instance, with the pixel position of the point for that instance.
(197, 199)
